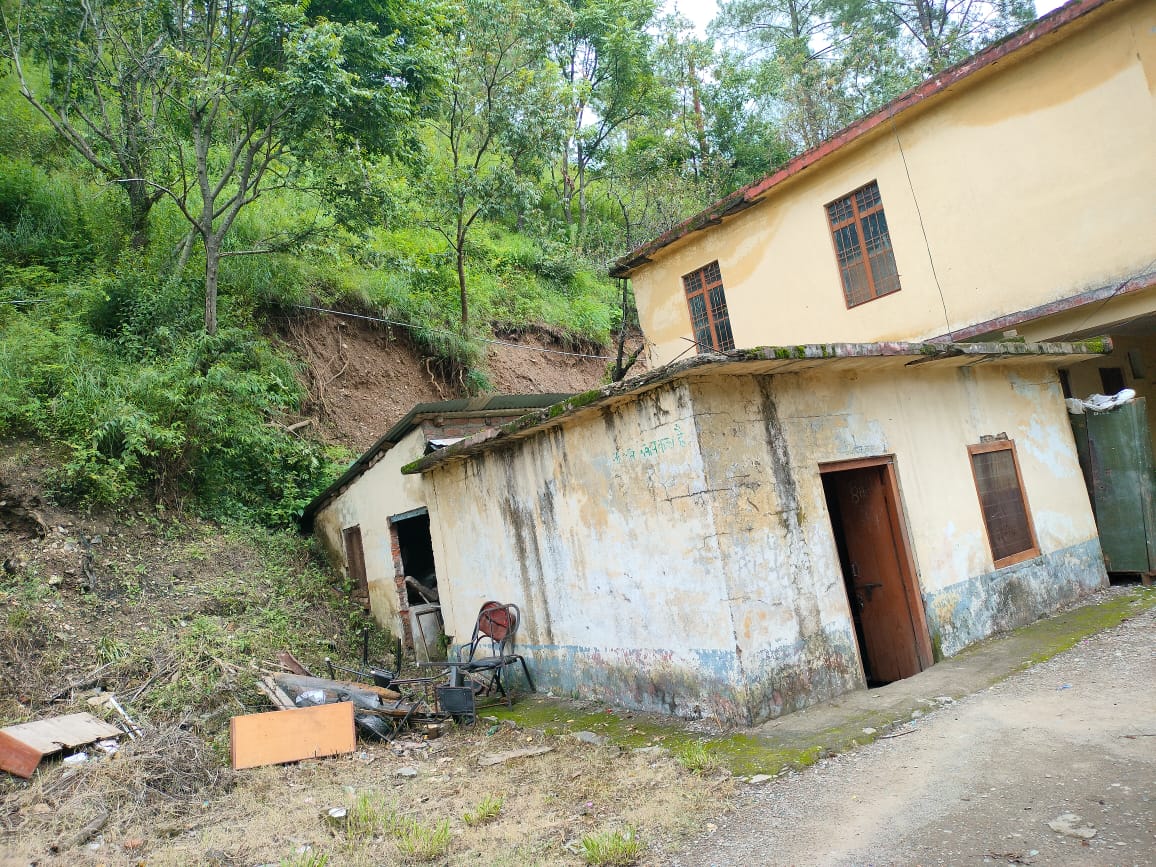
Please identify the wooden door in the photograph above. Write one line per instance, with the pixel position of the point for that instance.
(355, 558)
(873, 560)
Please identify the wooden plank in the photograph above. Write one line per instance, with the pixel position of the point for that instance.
(17, 757)
(291, 735)
(21, 744)
(275, 694)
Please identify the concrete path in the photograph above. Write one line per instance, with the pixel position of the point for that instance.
(1052, 765)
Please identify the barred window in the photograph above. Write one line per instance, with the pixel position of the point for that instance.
(863, 245)
(1002, 501)
(709, 318)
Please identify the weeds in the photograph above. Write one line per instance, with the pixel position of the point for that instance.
(308, 858)
(611, 848)
(423, 842)
(698, 757)
(489, 808)
(369, 817)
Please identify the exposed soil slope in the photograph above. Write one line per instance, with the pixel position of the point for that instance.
(363, 376)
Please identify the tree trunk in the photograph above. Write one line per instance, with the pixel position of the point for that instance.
(581, 199)
(139, 205)
(460, 250)
(699, 123)
(212, 269)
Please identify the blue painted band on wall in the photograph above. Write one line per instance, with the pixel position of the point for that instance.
(971, 610)
(758, 686)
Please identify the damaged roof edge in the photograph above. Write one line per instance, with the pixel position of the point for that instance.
(918, 353)
(745, 197)
(480, 406)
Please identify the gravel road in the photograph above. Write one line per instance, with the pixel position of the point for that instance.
(1071, 741)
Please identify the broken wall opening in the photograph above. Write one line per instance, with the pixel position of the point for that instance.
(415, 572)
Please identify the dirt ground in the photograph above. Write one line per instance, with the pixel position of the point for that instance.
(979, 780)
(363, 377)
(177, 617)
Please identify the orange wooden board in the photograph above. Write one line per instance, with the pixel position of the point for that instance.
(16, 757)
(291, 735)
(23, 746)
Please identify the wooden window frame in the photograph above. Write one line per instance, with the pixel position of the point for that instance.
(856, 220)
(722, 337)
(1005, 446)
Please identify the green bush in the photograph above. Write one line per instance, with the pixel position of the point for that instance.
(42, 220)
(193, 426)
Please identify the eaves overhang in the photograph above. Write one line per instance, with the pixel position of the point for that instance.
(764, 360)
(466, 407)
(935, 87)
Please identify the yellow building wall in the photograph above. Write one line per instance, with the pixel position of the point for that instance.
(674, 552)
(379, 493)
(1026, 183)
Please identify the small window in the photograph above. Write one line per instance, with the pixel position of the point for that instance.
(708, 309)
(863, 245)
(1001, 498)
(1112, 379)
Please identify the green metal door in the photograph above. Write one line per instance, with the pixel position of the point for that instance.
(1116, 455)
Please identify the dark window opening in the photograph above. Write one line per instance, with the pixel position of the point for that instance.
(709, 319)
(417, 559)
(863, 246)
(1112, 379)
(1001, 498)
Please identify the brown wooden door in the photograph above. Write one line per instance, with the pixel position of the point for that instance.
(872, 556)
(355, 558)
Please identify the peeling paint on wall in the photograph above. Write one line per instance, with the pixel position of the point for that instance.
(704, 577)
(972, 610)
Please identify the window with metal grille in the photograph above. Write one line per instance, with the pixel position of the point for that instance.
(1002, 501)
(863, 245)
(708, 309)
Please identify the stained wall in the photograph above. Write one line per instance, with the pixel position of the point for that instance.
(673, 551)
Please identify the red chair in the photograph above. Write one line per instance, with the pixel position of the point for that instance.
(496, 623)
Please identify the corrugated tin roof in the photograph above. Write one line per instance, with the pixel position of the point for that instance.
(496, 404)
(764, 360)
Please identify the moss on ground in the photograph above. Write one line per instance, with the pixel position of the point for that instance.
(753, 753)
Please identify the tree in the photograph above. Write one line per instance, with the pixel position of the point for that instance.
(792, 52)
(946, 31)
(255, 94)
(265, 91)
(496, 113)
(108, 79)
(603, 53)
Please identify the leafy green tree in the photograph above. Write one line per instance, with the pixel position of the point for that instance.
(264, 91)
(497, 112)
(945, 31)
(603, 52)
(791, 52)
(256, 96)
(106, 87)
